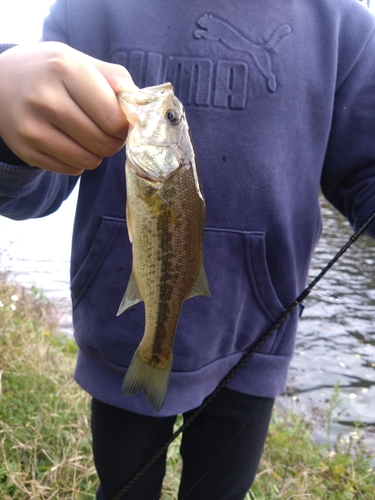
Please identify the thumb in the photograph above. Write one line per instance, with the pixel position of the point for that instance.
(116, 75)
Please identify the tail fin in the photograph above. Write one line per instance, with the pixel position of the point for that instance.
(149, 378)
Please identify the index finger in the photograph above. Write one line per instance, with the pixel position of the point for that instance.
(90, 89)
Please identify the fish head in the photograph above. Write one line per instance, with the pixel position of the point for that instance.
(157, 141)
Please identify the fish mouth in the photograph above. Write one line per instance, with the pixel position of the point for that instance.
(149, 94)
(128, 105)
(130, 100)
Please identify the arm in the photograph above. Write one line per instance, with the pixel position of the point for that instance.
(58, 115)
(348, 179)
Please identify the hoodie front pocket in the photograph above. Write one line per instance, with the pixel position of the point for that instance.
(259, 276)
(109, 231)
(238, 263)
(243, 303)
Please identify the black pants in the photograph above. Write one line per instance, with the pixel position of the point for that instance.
(221, 449)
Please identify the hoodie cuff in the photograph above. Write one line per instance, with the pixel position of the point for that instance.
(6, 46)
(17, 180)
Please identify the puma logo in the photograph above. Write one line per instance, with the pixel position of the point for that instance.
(217, 30)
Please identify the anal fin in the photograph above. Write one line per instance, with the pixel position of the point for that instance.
(200, 286)
(131, 296)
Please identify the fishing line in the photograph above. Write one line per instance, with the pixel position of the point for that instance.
(246, 357)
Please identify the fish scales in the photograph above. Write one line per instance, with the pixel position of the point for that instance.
(165, 218)
(167, 251)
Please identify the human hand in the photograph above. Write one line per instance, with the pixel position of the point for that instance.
(58, 107)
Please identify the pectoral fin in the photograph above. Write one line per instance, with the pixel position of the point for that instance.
(131, 296)
(158, 207)
(200, 286)
(129, 222)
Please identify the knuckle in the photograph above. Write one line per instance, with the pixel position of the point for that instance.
(40, 102)
(109, 146)
(91, 162)
(30, 134)
(116, 125)
(58, 63)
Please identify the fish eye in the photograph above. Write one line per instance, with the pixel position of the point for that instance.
(173, 116)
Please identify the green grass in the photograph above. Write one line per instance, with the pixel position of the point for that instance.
(45, 441)
(293, 466)
(45, 444)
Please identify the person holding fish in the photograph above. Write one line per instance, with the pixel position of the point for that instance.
(274, 100)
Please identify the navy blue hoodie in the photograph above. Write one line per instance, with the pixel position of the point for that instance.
(280, 98)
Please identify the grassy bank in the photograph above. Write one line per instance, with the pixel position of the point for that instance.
(45, 444)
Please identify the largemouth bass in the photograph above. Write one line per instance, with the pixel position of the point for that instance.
(165, 213)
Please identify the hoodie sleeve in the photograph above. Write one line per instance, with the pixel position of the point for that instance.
(348, 179)
(28, 192)
(6, 46)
